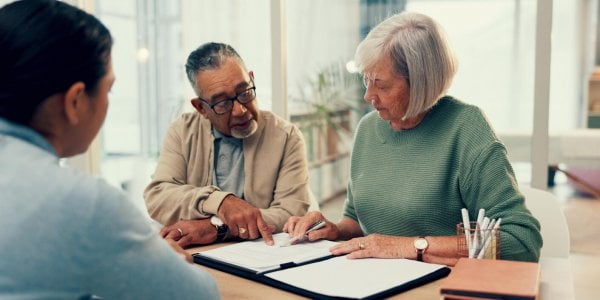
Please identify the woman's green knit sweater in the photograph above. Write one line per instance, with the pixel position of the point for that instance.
(415, 182)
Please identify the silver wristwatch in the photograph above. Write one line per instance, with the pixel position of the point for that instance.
(220, 226)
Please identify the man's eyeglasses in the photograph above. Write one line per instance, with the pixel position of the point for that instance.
(225, 106)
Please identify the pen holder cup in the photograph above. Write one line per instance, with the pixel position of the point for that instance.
(484, 243)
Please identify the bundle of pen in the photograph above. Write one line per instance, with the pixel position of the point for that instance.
(481, 237)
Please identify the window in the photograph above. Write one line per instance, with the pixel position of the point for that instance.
(325, 98)
(152, 41)
(495, 46)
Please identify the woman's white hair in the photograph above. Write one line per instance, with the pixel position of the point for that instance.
(419, 51)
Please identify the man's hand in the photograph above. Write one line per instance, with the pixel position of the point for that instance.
(244, 220)
(190, 232)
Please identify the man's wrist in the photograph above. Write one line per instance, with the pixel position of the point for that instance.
(213, 202)
(220, 227)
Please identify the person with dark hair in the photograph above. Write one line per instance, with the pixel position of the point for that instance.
(227, 170)
(66, 234)
(421, 157)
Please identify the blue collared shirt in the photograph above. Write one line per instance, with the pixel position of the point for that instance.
(229, 164)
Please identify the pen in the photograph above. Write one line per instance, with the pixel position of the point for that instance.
(312, 228)
(483, 234)
(467, 227)
(477, 234)
(494, 225)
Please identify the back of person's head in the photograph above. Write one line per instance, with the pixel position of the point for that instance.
(45, 47)
(208, 56)
(419, 51)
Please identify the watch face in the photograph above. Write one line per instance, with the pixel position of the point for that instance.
(421, 244)
(216, 221)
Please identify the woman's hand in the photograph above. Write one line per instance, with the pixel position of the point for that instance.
(297, 227)
(373, 245)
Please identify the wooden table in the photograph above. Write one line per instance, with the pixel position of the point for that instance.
(556, 283)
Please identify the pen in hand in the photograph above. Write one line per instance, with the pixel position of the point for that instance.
(312, 228)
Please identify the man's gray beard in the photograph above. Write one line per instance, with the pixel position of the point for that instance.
(242, 134)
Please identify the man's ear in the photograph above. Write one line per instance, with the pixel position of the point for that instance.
(73, 102)
(197, 104)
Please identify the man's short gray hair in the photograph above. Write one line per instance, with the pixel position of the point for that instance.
(208, 56)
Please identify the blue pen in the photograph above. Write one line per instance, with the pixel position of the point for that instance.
(312, 228)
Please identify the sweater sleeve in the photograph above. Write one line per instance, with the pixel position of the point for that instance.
(490, 183)
(348, 210)
(169, 196)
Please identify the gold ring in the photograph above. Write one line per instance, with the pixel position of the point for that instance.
(361, 246)
(180, 232)
(242, 230)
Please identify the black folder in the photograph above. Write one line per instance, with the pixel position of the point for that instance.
(431, 273)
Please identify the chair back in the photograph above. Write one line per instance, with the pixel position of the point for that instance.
(555, 231)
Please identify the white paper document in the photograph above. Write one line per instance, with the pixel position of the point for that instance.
(354, 278)
(260, 257)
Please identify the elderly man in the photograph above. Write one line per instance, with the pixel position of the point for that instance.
(229, 169)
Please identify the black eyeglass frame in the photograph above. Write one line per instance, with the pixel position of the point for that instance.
(236, 98)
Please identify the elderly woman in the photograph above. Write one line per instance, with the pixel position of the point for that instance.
(64, 234)
(421, 157)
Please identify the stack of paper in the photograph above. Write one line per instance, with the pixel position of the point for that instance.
(259, 257)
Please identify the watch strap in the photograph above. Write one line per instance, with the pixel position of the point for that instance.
(222, 231)
(420, 251)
